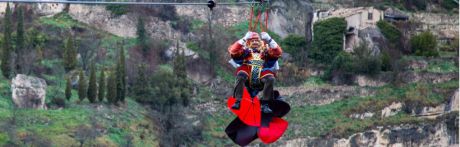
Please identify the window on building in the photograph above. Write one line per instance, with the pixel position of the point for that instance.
(369, 16)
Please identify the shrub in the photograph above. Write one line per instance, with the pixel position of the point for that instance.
(59, 102)
(386, 61)
(361, 61)
(424, 44)
(449, 4)
(389, 31)
(295, 45)
(327, 39)
(117, 10)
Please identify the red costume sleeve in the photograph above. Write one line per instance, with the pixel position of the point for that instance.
(275, 53)
(236, 50)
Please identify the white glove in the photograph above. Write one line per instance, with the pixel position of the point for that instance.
(248, 35)
(243, 40)
(265, 37)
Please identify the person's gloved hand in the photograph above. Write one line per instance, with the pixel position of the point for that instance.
(245, 38)
(265, 37)
(248, 35)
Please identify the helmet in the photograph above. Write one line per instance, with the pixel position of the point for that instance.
(254, 35)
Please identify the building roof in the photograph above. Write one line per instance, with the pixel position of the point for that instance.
(395, 13)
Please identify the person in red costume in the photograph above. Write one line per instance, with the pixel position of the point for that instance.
(256, 61)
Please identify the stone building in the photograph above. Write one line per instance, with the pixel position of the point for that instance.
(357, 19)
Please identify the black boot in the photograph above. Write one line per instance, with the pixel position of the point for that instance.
(265, 108)
(236, 105)
(238, 92)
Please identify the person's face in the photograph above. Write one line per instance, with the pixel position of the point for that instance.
(255, 43)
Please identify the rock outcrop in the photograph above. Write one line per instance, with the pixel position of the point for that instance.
(28, 92)
(300, 96)
(440, 24)
(392, 109)
(428, 77)
(442, 133)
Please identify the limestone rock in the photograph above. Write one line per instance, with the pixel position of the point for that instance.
(362, 116)
(48, 9)
(367, 81)
(391, 110)
(28, 92)
(453, 102)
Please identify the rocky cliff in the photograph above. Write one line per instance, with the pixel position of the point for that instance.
(443, 132)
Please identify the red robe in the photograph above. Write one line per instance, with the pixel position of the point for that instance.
(255, 64)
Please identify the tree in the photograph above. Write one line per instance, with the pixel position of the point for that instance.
(164, 86)
(121, 76)
(424, 44)
(20, 51)
(182, 85)
(101, 91)
(37, 42)
(82, 86)
(5, 65)
(92, 87)
(179, 67)
(142, 38)
(111, 89)
(390, 32)
(68, 89)
(141, 89)
(327, 39)
(70, 54)
(296, 46)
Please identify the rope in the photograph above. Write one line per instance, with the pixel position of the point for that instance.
(266, 20)
(261, 8)
(250, 18)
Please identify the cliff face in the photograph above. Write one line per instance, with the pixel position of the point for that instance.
(443, 25)
(442, 133)
(286, 17)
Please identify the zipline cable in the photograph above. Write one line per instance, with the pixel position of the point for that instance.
(121, 3)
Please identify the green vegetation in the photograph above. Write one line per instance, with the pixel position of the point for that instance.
(442, 67)
(142, 89)
(92, 87)
(111, 89)
(195, 48)
(328, 39)
(82, 88)
(334, 118)
(101, 86)
(362, 61)
(449, 4)
(20, 41)
(70, 54)
(118, 10)
(7, 47)
(424, 44)
(142, 37)
(121, 76)
(450, 85)
(314, 81)
(68, 89)
(61, 20)
(390, 32)
(296, 46)
(225, 75)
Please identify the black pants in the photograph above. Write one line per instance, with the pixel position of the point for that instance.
(267, 92)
